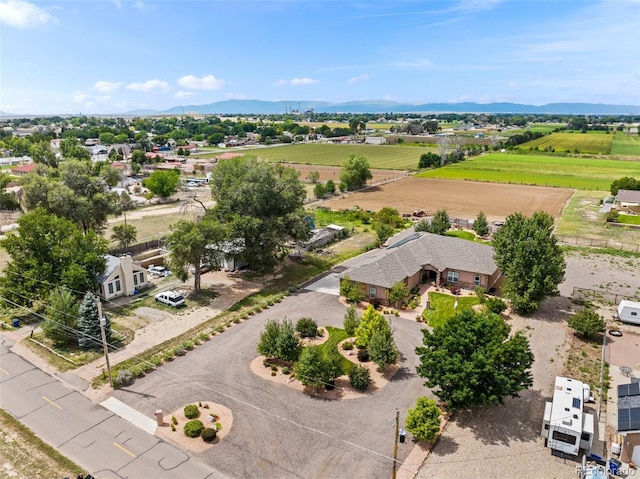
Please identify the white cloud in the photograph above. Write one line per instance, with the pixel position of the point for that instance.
(280, 83)
(21, 14)
(90, 100)
(208, 82)
(303, 81)
(140, 6)
(107, 86)
(183, 94)
(150, 86)
(359, 78)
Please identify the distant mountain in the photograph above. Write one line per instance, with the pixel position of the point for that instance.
(248, 107)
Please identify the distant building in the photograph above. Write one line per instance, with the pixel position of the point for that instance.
(375, 140)
(24, 169)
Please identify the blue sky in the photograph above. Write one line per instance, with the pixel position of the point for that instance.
(115, 56)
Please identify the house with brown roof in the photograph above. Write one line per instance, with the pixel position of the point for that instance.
(24, 169)
(422, 258)
(628, 201)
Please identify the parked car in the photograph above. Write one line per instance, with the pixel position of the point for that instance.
(158, 271)
(171, 298)
(204, 267)
(192, 184)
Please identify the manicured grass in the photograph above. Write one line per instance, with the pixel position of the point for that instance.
(380, 156)
(541, 170)
(629, 219)
(583, 142)
(467, 235)
(442, 307)
(626, 145)
(335, 336)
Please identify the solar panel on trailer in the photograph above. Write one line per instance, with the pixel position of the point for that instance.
(634, 414)
(623, 390)
(634, 389)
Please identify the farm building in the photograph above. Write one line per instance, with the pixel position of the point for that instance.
(566, 426)
(628, 201)
(122, 277)
(425, 257)
(629, 312)
(375, 140)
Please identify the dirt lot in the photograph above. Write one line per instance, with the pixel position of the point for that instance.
(461, 199)
(333, 173)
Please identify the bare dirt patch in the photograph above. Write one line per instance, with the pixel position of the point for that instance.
(461, 199)
(196, 444)
(333, 173)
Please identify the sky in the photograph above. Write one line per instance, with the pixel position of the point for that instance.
(93, 56)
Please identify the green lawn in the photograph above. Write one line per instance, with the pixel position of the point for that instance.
(442, 307)
(380, 156)
(335, 336)
(629, 219)
(582, 142)
(580, 173)
(626, 145)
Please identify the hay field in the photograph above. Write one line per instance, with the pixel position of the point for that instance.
(539, 170)
(596, 143)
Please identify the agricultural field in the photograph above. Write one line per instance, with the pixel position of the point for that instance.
(540, 170)
(461, 199)
(573, 142)
(626, 145)
(333, 124)
(380, 156)
(536, 128)
(333, 173)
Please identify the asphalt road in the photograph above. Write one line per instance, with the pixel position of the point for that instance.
(279, 432)
(104, 444)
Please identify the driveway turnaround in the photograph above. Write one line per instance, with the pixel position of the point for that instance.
(279, 432)
(94, 438)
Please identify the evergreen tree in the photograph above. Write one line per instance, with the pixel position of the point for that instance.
(382, 348)
(89, 335)
(62, 317)
(481, 225)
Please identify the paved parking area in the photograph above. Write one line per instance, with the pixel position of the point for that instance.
(278, 432)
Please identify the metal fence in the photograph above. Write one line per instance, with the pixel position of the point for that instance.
(138, 248)
(598, 243)
(599, 295)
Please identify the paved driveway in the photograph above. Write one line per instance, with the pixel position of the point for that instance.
(278, 432)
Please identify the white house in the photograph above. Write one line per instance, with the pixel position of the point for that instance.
(122, 277)
(375, 140)
(565, 426)
(629, 312)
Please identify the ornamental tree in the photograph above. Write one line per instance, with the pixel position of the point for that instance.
(424, 420)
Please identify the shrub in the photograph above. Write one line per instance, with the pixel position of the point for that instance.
(123, 378)
(495, 305)
(480, 293)
(363, 355)
(351, 321)
(208, 434)
(274, 368)
(191, 411)
(174, 420)
(307, 328)
(347, 345)
(587, 322)
(244, 315)
(236, 320)
(206, 406)
(193, 428)
(179, 351)
(219, 328)
(273, 373)
(218, 426)
(204, 337)
(188, 345)
(360, 378)
(286, 370)
(173, 427)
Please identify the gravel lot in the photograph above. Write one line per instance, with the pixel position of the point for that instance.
(279, 432)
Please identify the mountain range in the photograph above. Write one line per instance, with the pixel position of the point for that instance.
(248, 107)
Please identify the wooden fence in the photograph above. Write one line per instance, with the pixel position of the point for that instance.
(138, 248)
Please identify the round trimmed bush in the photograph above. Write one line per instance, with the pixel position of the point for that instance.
(347, 345)
(307, 328)
(193, 428)
(191, 411)
(360, 378)
(363, 355)
(208, 434)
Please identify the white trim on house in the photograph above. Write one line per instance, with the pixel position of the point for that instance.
(122, 277)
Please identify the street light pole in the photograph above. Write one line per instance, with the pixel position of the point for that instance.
(103, 322)
(395, 445)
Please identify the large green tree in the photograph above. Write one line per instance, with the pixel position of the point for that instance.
(527, 253)
(163, 183)
(355, 173)
(473, 361)
(48, 251)
(262, 207)
(481, 225)
(279, 340)
(189, 244)
(124, 235)
(382, 347)
(8, 200)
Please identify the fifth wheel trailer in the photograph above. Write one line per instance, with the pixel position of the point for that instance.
(629, 312)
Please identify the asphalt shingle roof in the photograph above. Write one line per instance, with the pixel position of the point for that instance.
(410, 254)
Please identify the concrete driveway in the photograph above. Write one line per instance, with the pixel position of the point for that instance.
(277, 431)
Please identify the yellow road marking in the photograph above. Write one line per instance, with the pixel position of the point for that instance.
(122, 448)
(50, 402)
(2, 370)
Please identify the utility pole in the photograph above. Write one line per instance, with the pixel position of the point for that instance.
(103, 322)
(395, 444)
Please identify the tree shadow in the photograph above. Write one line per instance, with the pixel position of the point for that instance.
(554, 310)
(445, 446)
(518, 420)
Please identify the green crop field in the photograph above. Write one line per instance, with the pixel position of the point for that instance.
(379, 156)
(541, 128)
(580, 173)
(626, 145)
(582, 142)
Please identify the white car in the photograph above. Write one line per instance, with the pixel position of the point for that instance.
(192, 184)
(158, 271)
(204, 267)
(170, 298)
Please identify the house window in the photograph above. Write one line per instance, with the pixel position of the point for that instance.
(372, 292)
(110, 288)
(118, 288)
(563, 437)
(135, 280)
(452, 276)
(141, 278)
(476, 280)
(634, 313)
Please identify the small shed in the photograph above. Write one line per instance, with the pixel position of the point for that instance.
(629, 312)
